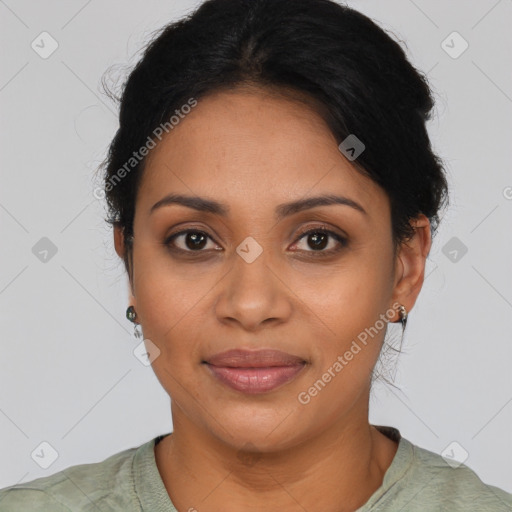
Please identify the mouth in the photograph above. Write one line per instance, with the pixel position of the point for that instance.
(253, 372)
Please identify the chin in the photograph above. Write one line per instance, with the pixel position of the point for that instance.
(259, 432)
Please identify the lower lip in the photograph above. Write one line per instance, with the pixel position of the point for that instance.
(255, 380)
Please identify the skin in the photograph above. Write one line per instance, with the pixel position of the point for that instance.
(230, 451)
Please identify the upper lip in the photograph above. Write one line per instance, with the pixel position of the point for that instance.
(242, 358)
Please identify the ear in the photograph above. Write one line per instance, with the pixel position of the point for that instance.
(410, 263)
(119, 244)
(119, 241)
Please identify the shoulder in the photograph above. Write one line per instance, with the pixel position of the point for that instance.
(451, 487)
(13, 499)
(81, 487)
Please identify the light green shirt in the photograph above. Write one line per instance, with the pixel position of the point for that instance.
(417, 480)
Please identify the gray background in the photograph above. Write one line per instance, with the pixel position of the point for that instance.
(68, 375)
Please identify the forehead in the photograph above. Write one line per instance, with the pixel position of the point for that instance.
(246, 144)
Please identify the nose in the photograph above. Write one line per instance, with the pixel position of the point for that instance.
(254, 295)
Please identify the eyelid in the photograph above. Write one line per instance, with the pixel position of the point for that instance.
(341, 239)
(322, 227)
(184, 227)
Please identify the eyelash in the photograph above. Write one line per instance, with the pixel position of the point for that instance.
(321, 253)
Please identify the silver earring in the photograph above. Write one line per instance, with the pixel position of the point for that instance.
(402, 311)
(131, 314)
(137, 331)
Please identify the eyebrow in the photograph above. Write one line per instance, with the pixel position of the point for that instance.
(283, 210)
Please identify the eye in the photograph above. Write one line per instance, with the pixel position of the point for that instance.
(317, 239)
(189, 241)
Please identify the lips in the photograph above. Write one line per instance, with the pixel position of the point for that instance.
(254, 371)
(239, 358)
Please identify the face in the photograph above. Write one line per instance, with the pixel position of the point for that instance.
(245, 274)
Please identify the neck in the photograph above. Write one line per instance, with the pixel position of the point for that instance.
(336, 470)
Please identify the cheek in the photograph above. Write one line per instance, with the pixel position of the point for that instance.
(172, 320)
(350, 306)
(354, 309)
(167, 293)
(351, 295)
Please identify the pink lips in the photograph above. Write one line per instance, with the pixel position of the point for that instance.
(254, 371)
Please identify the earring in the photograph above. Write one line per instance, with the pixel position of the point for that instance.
(403, 316)
(131, 314)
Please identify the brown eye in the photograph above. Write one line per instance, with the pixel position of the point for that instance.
(189, 241)
(317, 240)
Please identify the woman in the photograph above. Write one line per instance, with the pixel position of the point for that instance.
(273, 194)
